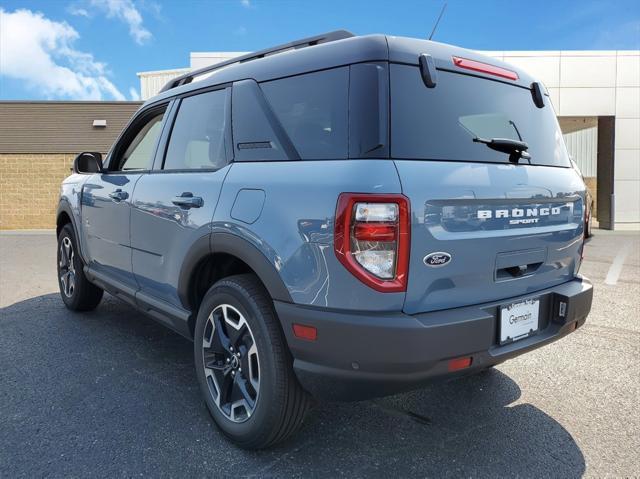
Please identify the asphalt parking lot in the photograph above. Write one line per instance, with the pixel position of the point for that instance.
(111, 393)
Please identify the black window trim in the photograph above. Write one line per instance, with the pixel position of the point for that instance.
(165, 137)
(126, 136)
(292, 152)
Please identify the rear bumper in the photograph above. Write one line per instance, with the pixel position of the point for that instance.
(364, 355)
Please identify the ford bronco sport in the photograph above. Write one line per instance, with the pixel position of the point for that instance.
(340, 217)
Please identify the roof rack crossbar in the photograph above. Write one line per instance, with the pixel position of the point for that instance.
(305, 42)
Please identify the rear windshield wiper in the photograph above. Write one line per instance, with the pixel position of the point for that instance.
(516, 149)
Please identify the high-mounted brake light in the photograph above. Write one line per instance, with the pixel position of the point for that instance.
(371, 239)
(484, 68)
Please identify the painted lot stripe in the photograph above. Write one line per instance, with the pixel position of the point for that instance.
(618, 262)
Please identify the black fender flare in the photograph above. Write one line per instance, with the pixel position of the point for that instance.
(242, 249)
(65, 207)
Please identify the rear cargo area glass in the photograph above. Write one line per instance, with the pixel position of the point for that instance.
(440, 123)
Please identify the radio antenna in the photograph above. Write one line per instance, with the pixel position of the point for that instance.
(438, 20)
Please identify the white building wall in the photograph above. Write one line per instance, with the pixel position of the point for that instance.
(597, 83)
(152, 82)
(582, 145)
(204, 59)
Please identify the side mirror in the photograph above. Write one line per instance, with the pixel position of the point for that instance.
(88, 162)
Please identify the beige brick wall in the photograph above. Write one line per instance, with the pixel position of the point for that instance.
(30, 184)
(29, 188)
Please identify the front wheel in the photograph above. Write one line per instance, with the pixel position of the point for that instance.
(244, 367)
(77, 293)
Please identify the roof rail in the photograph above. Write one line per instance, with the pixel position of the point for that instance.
(305, 42)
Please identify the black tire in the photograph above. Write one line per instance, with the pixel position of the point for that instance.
(280, 403)
(82, 295)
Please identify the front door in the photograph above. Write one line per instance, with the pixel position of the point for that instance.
(173, 205)
(106, 199)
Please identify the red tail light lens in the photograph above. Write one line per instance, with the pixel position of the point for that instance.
(375, 232)
(484, 68)
(371, 239)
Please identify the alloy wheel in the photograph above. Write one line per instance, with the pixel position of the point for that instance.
(67, 271)
(231, 363)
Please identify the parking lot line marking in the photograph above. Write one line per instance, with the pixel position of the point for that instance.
(616, 266)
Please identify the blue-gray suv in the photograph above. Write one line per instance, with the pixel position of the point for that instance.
(339, 217)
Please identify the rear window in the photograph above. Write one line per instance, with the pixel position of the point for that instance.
(313, 110)
(441, 123)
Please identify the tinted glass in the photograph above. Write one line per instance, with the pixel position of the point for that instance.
(440, 123)
(313, 109)
(139, 153)
(198, 136)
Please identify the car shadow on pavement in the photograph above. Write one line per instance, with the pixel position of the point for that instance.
(110, 392)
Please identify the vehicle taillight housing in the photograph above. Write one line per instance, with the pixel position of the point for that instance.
(372, 239)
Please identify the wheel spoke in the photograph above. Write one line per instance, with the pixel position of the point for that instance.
(67, 250)
(216, 361)
(70, 282)
(226, 389)
(63, 279)
(241, 386)
(237, 335)
(253, 370)
(221, 333)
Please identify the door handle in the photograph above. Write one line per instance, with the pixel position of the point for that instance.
(187, 200)
(118, 195)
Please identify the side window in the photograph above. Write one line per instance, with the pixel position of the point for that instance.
(313, 109)
(198, 137)
(138, 154)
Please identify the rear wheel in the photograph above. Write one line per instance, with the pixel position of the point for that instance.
(244, 367)
(77, 293)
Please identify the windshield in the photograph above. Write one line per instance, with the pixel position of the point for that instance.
(441, 123)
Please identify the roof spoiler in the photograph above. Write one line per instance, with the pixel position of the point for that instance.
(305, 42)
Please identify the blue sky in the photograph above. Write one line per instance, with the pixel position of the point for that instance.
(92, 49)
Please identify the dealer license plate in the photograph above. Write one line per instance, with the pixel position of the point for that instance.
(518, 320)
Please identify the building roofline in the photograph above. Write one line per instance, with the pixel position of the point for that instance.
(215, 53)
(164, 72)
(77, 102)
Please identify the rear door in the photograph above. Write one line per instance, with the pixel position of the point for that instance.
(173, 205)
(485, 225)
(106, 198)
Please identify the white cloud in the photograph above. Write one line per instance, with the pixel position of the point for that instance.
(133, 93)
(77, 11)
(240, 31)
(40, 52)
(127, 12)
(245, 3)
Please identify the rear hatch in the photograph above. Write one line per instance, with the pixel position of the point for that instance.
(488, 221)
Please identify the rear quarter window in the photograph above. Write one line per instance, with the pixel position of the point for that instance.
(440, 123)
(313, 110)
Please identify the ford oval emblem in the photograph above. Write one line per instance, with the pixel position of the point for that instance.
(437, 259)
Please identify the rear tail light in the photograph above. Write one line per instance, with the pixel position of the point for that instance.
(371, 239)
